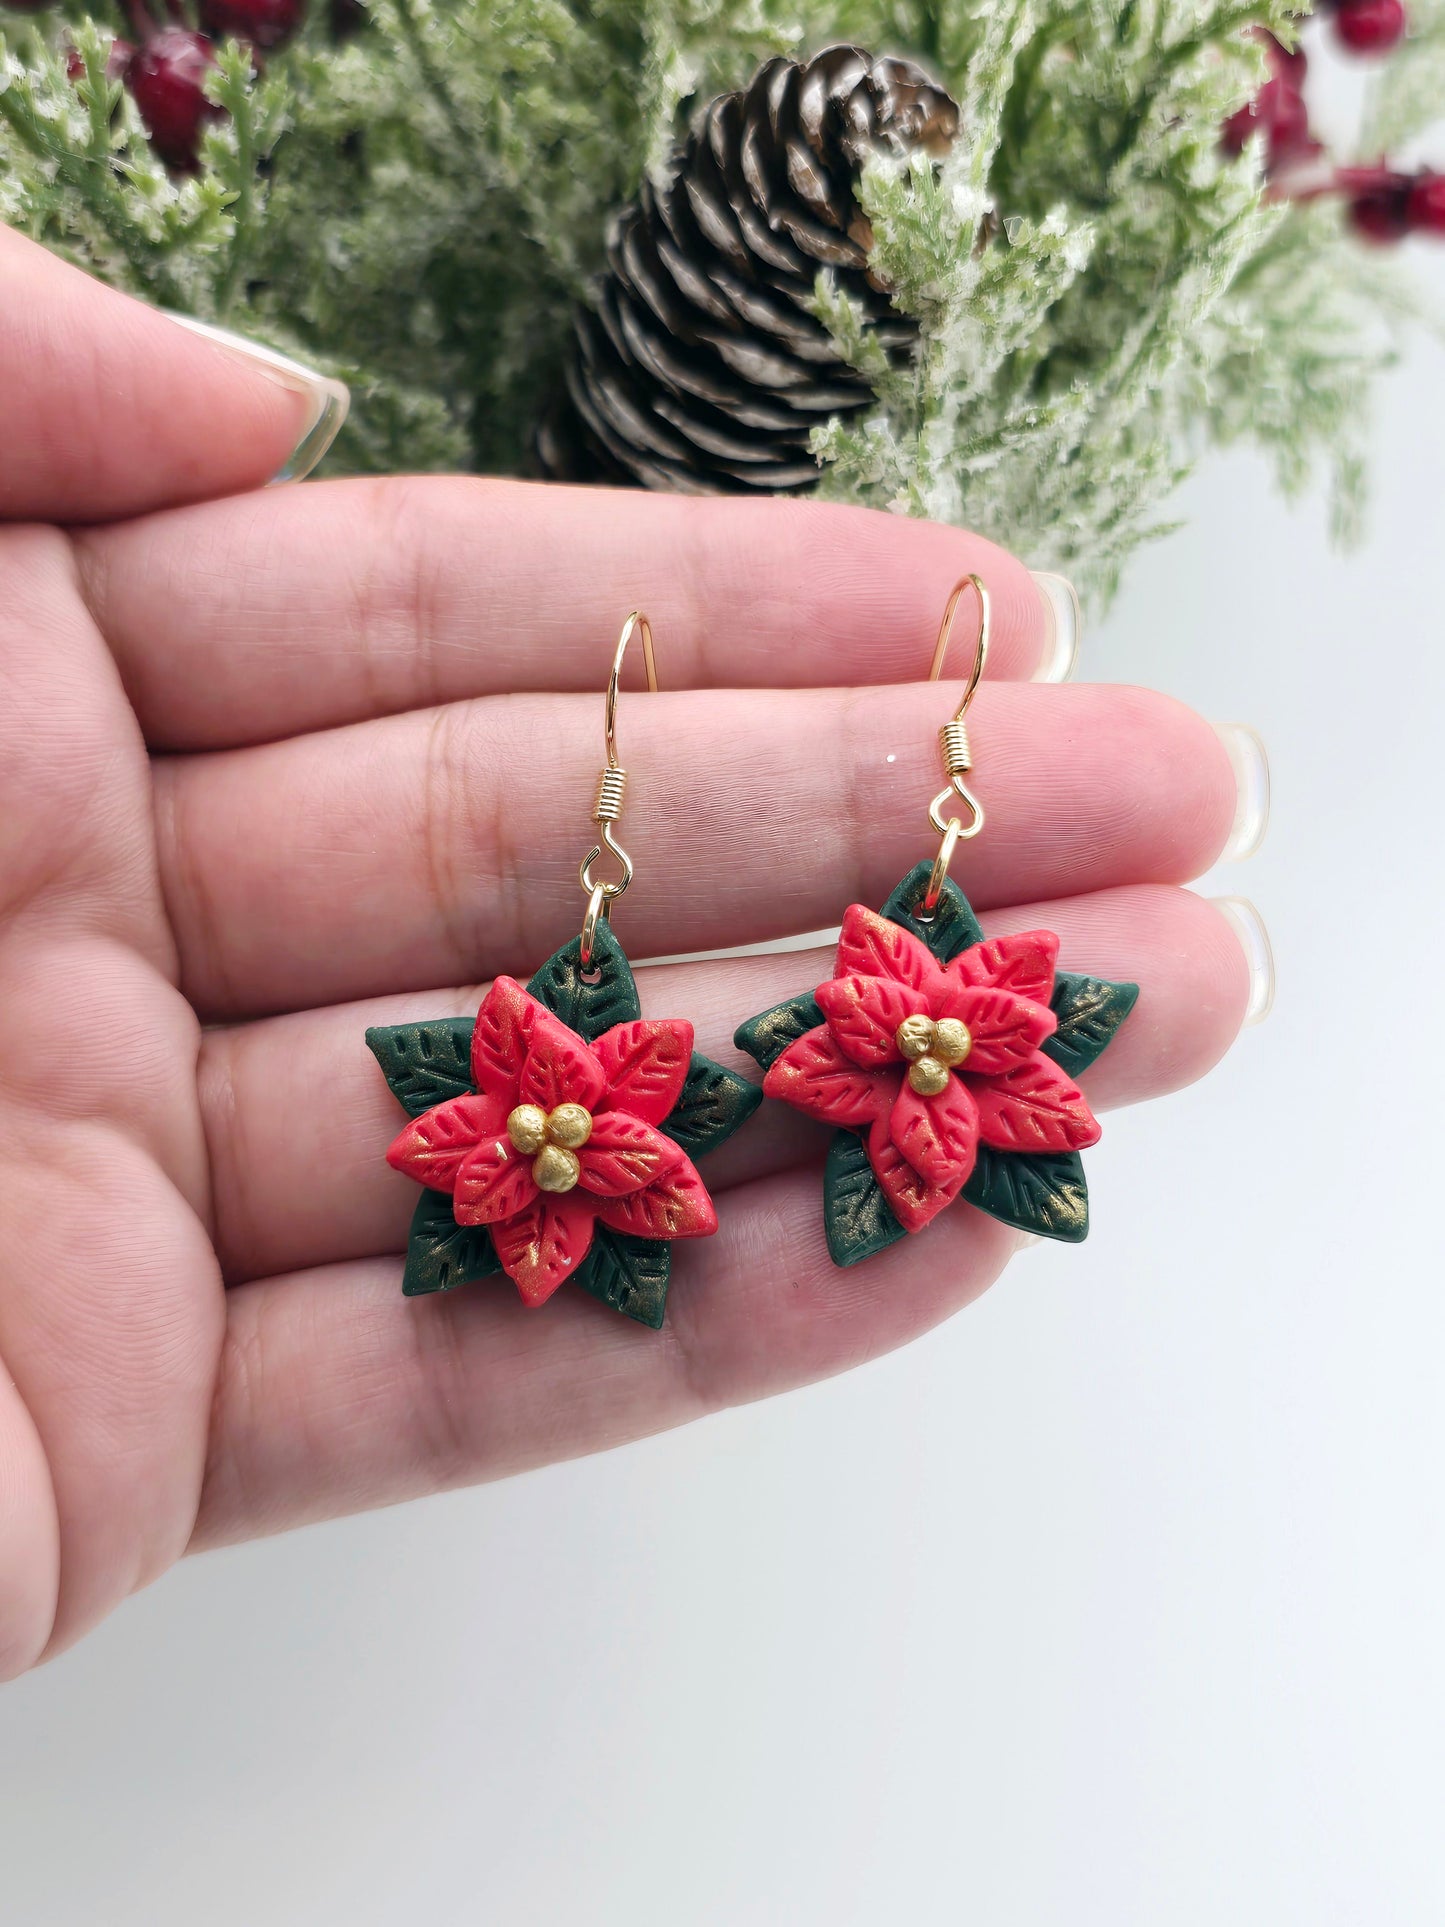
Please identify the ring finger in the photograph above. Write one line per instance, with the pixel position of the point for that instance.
(428, 848)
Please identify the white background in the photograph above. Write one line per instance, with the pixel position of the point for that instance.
(1116, 1601)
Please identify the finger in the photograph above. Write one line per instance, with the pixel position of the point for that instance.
(430, 848)
(110, 1300)
(244, 621)
(298, 1116)
(108, 408)
(336, 1393)
(29, 1537)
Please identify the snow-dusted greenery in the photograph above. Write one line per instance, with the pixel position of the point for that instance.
(1100, 292)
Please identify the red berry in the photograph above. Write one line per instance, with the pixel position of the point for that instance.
(1288, 121)
(1426, 206)
(116, 60)
(1382, 212)
(266, 24)
(1371, 26)
(1279, 111)
(166, 82)
(1288, 63)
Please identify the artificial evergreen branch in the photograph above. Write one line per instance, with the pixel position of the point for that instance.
(1102, 283)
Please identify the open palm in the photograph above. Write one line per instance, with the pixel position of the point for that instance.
(280, 765)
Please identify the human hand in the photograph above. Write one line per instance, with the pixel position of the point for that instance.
(280, 765)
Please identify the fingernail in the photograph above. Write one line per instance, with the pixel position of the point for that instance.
(1247, 758)
(327, 399)
(1025, 1241)
(1063, 627)
(1248, 926)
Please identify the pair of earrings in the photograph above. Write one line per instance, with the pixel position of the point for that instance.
(556, 1135)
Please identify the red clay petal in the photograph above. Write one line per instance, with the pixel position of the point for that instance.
(499, 1042)
(1006, 1029)
(937, 1135)
(816, 1077)
(434, 1146)
(1035, 1108)
(543, 1246)
(1023, 964)
(871, 946)
(560, 1068)
(864, 1013)
(623, 1154)
(495, 1182)
(915, 1202)
(646, 1065)
(677, 1206)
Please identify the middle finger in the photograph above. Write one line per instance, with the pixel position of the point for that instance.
(437, 847)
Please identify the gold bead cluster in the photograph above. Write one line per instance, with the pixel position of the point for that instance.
(933, 1050)
(552, 1140)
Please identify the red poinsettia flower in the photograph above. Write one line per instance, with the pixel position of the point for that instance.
(558, 1135)
(928, 1060)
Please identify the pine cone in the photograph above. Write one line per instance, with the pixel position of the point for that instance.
(699, 367)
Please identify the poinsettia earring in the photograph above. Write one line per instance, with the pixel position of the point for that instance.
(947, 1062)
(555, 1134)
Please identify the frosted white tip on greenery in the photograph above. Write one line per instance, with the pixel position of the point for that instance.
(1100, 291)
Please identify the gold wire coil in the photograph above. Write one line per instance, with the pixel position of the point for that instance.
(953, 741)
(611, 790)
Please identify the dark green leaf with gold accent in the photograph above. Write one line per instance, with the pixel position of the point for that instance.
(425, 1064)
(628, 1274)
(856, 1215)
(1039, 1191)
(714, 1103)
(951, 928)
(1090, 1010)
(593, 1000)
(440, 1253)
(766, 1036)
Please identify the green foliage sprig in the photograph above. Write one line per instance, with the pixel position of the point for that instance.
(1101, 291)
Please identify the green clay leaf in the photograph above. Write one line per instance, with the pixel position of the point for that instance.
(714, 1103)
(766, 1036)
(425, 1064)
(629, 1275)
(1090, 1011)
(857, 1217)
(1044, 1192)
(589, 1008)
(951, 928)
(441, 1253)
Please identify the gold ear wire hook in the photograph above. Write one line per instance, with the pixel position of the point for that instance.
(953, 741)
(611, 789)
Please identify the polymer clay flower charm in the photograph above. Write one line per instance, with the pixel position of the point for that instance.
(948, 1064)
(558, 1150)
(559, 1135)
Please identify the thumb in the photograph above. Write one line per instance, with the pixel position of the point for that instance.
(109, 408)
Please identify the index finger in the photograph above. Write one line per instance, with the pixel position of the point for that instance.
(299, 609)
(109, 408)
